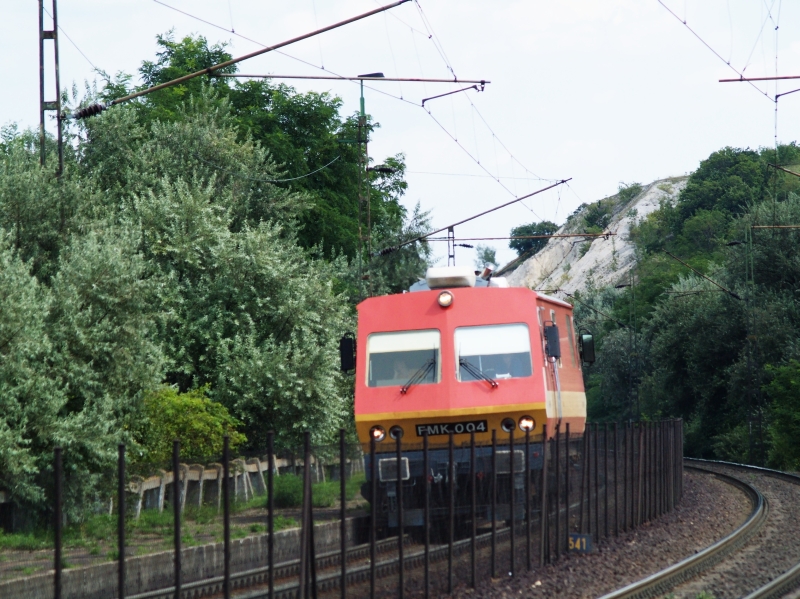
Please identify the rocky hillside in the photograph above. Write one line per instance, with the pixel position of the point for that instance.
(569, 264)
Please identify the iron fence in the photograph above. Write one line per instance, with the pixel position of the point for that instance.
(388, 519)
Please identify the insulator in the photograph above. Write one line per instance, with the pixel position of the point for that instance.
(91, 110)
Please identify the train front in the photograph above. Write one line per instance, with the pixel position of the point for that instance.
(461, 355)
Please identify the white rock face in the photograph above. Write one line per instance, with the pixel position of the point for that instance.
(560, 265)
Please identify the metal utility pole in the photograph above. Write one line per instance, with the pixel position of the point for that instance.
(45, 106)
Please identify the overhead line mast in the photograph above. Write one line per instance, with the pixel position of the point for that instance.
(55, 105)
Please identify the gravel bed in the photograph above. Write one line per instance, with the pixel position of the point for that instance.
(710, 509)
(772, 551)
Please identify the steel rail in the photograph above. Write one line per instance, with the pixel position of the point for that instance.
(790, 579)
(325, 582)
(257, 576)
(662, 582)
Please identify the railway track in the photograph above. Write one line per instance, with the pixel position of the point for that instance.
(759, 560)
(252, 584)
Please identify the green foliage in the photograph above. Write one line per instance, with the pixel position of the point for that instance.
(533, 246)
(783, 391)
(200, 424)
(700, 353)
(627, 191)
(597, 216)
(180, 248)
(484, 255)
(288, 490)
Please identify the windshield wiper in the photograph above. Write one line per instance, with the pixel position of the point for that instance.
(419, 375)
(476, 372)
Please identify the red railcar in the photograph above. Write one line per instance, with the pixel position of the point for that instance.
(463, 354)
(480, 359)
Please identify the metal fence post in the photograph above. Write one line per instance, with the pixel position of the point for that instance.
(121, 519)
(543, 512)
(584, 478)
(343, 513)
(616, 480)
(557, 469)
(474, 511)
(566, 487)
(58, 473)
(625, 480)
(399, 482)
(596, 438)
(528, 498)
(494, 503)
(451, 497)
(426, 511)
(372, 516)
(226, 516)
(605, 476)
(176, 511)
(271, 464)
(639, 477)
(511, 506)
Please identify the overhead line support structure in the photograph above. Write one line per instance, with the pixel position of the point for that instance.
(45, 105)
(448, 228)
(360, 78)
(97, 108)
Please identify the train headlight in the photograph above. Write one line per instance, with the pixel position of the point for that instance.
(508, 425)
(526, 423)
(396, 432)
(445, 299)
(378, 433)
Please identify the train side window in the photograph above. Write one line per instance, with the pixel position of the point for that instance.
(501, 351)
(553, 319)
(393, 359)
(571, 339)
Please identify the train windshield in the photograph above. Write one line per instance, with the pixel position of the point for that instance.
(501, 351)
(398, 358)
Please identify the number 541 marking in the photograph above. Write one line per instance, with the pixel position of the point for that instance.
(580, 543)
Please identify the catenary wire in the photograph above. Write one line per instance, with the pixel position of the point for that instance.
(717, 54)
(61, 29)
(382, 92)
(758, 37)
(440, 49)
(232, 174)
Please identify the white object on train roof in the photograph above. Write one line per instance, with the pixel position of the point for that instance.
(439, 277)
(456, 276)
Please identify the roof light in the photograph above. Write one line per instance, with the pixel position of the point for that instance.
(445, 299)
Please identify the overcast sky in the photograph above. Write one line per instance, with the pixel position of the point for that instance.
(602, 92)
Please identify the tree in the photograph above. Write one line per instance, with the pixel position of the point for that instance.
(484, 255)
(30, 399)
(522, 246)
(198, 422)
(783, 392)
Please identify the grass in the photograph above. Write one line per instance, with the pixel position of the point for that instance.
(289, 491)
(97, 532)
(25, 541)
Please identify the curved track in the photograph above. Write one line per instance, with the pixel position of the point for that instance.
(759, 560)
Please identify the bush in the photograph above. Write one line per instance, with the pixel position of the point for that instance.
(784, 428)
(288, 491)
(199, 423)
